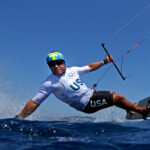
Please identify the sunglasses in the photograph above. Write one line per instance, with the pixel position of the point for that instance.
(53, 63)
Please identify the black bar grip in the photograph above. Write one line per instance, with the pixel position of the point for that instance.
(113, 62)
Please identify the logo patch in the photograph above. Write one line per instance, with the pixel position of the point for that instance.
(98, 103)
(71, 75)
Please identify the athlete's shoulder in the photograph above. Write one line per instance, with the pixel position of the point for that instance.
(49, 80)
(81, 70)
(50, 77)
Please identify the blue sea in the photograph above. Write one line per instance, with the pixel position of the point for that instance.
(74, 133)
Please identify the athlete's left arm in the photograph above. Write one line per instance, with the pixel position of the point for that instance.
(97, 65)
(29, 108)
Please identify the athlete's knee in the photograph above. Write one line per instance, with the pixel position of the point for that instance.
(117, 97)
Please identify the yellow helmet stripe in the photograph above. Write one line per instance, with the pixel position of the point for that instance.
(53, 56)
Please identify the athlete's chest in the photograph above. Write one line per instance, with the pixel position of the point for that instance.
(71, 80)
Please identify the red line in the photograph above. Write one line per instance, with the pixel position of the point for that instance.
(126, 24)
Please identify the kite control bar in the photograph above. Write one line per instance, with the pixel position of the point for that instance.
(113, 62)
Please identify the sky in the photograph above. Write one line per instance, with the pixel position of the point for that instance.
(30, 29)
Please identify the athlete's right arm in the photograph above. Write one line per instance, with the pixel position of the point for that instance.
(29, 108)
(35, 102)
(97, 65)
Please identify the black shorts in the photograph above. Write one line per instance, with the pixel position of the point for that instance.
(99, 100)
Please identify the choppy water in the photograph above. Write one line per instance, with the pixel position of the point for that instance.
(81, 134)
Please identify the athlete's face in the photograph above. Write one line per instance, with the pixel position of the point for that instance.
(57, 67)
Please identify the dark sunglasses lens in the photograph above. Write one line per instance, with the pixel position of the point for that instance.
(51, 64)
(60, 63)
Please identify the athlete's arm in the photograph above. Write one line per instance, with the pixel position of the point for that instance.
(97, 65)
(29, 108)
(35, 102)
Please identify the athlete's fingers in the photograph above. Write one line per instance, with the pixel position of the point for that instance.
(109, 58)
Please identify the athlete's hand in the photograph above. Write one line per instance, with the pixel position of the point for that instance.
(109, 59)
(17, 117)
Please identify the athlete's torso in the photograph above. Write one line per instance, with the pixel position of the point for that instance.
(67, 87)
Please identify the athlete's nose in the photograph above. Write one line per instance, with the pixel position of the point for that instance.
(56, 65)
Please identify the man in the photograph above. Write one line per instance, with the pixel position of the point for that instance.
(66, 85)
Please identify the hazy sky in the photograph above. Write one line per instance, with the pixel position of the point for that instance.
(30, 29)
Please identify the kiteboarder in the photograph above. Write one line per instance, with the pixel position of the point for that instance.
(66, 85)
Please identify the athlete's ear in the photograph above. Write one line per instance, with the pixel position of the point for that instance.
(64, 62)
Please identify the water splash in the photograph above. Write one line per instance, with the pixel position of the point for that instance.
(112, 114)
(7, 100)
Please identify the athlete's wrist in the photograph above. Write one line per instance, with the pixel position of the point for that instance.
(104, 62)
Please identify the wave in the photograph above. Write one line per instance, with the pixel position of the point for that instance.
(65, 135)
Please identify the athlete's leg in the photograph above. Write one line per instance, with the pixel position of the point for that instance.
(104, 99)
(99, 100)
(122, 102)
